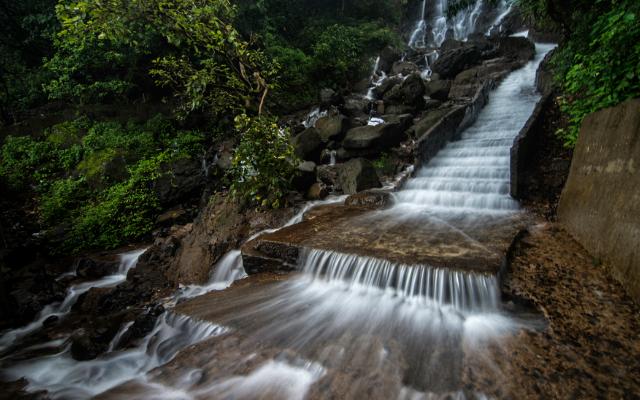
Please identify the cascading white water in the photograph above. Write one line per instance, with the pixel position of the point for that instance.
(127, 261)
(313, 117)
(65, 378)
(433, 25)
(419, 284)
(472, 175)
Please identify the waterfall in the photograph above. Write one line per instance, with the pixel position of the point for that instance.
(65, 378)
(418, 284)
(471, 175)
(127, 262)
(432, 26)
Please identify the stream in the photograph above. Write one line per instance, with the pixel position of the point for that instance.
(343, 325)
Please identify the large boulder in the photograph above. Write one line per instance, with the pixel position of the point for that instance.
(410, 92)
(428, 120)
(305, 177)
(374, 137)
(331, 127)
(329, 97)
(516, 48)
(357, 175)
(388, 56)
(356, 106)
(404, 68)
(452, 62)
(439, 89)
(182, 179)
(384, 86)
(308, 145)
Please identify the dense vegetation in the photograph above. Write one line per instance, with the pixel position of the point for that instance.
(216, 71)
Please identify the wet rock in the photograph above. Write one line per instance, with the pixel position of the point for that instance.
(308, 145)
(141, 327)
(438, 90)
(452, 62)
(93, 268)
(306, 176)
(83, 348)
(404, 120)
(380, 90)
(404, 68)
(52, 320)
(317, 191)
(370, 199)
(410, 92)
(328, 174)
(181, 180)
(357, 175)
(331, 127)
(376, 137)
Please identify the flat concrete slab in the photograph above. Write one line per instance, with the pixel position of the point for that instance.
(468, 243)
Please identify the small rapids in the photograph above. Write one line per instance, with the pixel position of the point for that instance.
(127, 261)
(65, 378)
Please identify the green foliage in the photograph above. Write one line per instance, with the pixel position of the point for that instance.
(188, 47)
(384, 164)
(98, 177)
(26, 28)
(121, 213)
(600, 66)
(264, 162)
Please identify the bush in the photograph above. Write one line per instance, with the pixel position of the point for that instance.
(600, 66)
(264, 162)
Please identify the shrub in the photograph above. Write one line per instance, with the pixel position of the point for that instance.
(600, 66)
(264, 162)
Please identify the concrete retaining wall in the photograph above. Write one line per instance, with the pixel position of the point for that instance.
(600, 205)
(524, 146)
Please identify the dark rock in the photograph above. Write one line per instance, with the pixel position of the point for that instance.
(378, 137)
(399, 109)
(52, 320)
(388, 56)
(308, 145)
(545, 82)
(171, 217)
(404, 68)
(452, 62)
(181, 180)
(403, 119)
(84, 348)
(328, 174)
(370, 199)
(380, 90)
(306, 176)
(92, 268)
(438, 90)
(357, 175)
(516, 48)
(329, 97)
(356, 106)
(317, 191)
(331, 127)
(141, 327)
(410, 92)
